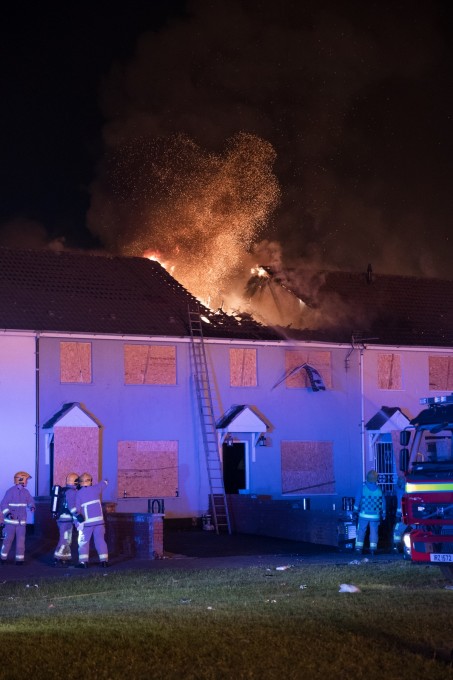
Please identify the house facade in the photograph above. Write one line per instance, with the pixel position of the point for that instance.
(96, 374)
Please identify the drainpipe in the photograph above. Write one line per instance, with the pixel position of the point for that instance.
(362, 409)
(37, 415)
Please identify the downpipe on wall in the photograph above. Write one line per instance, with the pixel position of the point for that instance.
(37, 415)
(362, 409)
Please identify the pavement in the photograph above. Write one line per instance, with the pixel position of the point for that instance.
(196, 550)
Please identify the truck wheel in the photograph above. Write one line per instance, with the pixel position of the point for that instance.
(447, 571)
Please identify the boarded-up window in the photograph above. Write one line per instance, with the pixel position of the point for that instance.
(150, 364)
(307, 467)
(75, 362)
(389, 372)
(319, 360)
(147, 469)
(441, 373)
(243, 367)
(75, 449)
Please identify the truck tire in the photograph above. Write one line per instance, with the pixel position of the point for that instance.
(447, 571)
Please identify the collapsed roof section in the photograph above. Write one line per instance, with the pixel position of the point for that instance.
(367, 308)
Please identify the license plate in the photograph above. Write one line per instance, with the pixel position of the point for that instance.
(440, 557)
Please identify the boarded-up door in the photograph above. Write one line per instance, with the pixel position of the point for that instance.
(75, 449)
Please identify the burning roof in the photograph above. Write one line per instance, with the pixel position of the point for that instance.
(373, 308)
(49, 291)
(70, 292)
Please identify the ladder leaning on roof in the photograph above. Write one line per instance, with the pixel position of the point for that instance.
(218, 501)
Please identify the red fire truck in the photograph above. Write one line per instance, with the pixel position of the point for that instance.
(426, 458)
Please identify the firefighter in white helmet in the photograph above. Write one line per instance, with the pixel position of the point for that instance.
(14, 508)
(88, 504)
(65, 512)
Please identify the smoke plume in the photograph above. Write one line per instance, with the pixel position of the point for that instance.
(250, 131)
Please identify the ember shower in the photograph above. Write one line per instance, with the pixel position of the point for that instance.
(200, 211)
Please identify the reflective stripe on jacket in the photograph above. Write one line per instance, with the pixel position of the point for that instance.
(88, 501)
(15, 503)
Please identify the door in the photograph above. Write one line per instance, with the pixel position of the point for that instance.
(234, 472)
(385, 467)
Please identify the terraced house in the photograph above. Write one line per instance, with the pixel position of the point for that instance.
(110, 366)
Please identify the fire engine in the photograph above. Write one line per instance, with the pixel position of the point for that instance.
(426, 458)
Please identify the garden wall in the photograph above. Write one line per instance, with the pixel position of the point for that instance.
(292, 520)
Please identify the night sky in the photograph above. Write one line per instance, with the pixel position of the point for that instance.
(337, 115)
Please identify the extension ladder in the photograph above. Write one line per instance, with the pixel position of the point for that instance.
(217, 497)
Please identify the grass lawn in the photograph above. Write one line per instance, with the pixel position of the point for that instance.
(231, 623)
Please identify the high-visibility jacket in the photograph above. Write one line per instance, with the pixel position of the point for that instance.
(15, 503)
(88, 502)
(370, 503)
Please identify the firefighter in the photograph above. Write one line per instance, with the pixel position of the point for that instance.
(399, 528)
(14, 508)
(369, 505)
(88, 504)
(67, 517)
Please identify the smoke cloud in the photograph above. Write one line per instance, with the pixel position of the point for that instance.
(303, 134)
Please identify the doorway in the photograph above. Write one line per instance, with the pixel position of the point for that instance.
(234, 467)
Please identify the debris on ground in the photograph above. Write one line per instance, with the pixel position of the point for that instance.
(348, 588)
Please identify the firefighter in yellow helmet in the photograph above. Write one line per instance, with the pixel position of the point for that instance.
(370, 506)
(14, 508)
(88, 504)
(64, 511)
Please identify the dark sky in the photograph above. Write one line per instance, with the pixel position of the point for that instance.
(354, 99)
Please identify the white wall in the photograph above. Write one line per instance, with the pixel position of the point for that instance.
(17, 409)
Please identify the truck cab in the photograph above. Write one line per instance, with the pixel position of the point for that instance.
(426, 458)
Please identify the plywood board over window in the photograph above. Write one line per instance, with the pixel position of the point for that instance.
(150, 364)
(75, 362)
(76, 449)
(307, 467)
(147, 469)
(389, 372)
(441, 373)
(319, 360)
(243, 367)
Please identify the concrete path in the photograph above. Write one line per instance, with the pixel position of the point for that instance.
(192, 550)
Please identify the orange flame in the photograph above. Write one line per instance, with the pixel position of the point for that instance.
(156, 256)
(259, 271)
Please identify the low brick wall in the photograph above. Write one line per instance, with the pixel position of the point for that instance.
(131, 534)
(282, 519)
(135, 534)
